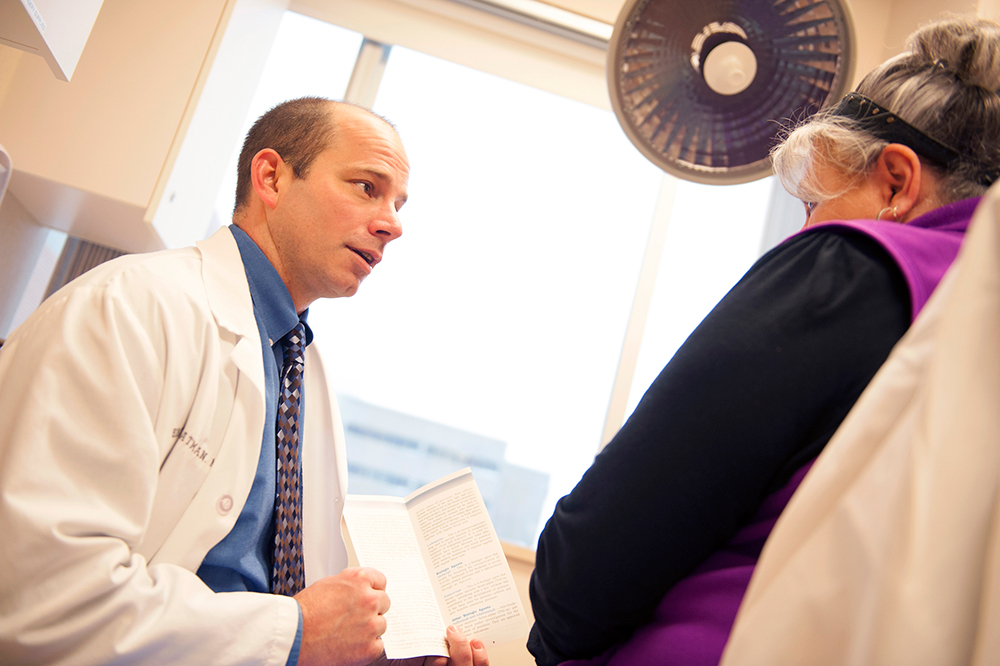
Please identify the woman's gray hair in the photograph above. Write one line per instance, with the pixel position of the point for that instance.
(946, 85)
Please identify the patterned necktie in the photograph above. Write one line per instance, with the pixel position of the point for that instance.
(288, 576)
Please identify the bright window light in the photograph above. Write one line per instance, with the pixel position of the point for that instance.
(491, 333)
(713, 238)
(501, 311)
(309, 57)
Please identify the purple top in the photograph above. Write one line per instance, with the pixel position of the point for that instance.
(692, 623)
(923, 248)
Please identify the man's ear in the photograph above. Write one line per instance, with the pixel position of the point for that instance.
(264, 172)
(898, 174)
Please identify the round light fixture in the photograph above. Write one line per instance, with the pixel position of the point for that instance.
(702, 88)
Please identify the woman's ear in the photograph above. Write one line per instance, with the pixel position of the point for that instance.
(898, 174)
(264, 170)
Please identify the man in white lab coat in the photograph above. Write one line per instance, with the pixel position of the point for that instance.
(137, 411)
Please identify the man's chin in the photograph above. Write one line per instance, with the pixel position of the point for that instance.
(346, 290)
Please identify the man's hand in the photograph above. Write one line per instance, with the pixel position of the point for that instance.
(342, 621)
(463, 653)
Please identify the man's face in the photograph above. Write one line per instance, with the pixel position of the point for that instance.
(331, 227)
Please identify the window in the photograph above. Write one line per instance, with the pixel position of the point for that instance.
(499, 314)
(713, 238)
(491, 333)
(308, 57)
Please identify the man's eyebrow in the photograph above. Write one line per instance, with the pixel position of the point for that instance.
(375, 173)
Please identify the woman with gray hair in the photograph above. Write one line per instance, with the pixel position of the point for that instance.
(946, 85)
(647, 559)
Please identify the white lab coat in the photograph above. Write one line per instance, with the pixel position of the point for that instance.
(131, 413)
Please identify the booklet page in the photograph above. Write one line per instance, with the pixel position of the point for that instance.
(443, 564)
(383, 539)
(472, 579)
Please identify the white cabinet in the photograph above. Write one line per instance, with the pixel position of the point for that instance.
(57, 30)
(93, 157)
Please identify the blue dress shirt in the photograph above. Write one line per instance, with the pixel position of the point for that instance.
(242, 560)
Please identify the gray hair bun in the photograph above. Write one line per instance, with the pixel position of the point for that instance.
(946, 85)
(967, 49)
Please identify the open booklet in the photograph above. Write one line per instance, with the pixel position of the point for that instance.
(443, 563)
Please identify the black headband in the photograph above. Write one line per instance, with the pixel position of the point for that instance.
(888, 126)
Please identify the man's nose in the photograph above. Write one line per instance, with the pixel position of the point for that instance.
(387, 225)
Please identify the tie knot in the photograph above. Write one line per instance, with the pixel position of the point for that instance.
(294, 344)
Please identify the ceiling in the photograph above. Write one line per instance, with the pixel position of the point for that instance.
(601, 10)
(607, 10)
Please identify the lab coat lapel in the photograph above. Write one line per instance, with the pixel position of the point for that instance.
(228, 412)
(230, 302)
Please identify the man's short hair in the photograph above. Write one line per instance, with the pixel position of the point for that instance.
(298, 130)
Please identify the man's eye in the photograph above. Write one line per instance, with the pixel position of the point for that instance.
(365, 186)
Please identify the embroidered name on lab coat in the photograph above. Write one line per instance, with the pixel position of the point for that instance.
(184, 437)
